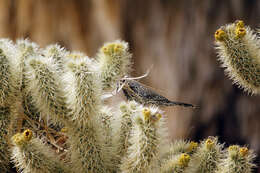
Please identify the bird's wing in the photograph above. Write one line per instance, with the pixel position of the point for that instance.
(148, 95)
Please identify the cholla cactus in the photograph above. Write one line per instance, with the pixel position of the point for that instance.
(238, 160)
(31, 155)
(59, 96)
(238, 51)
(142, 154)
(4, 123)
(207, 156)
(176, 163)
(114, 62)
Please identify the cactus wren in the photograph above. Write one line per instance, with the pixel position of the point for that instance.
(134, 90)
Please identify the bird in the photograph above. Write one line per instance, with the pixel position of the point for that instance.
(134, 90)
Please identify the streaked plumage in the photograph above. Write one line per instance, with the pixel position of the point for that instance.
(134, 90)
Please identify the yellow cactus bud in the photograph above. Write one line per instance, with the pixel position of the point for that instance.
(156, 117)
(233, 148)
(27, 135)
(240, 32)
(146, 113)
(73, 56)
(159, 116)
(17, 139)
(192, 146)
(233, 151)
(220, 35)
(108, 49)
(209, 143)
(118, 48)
(240, 24)
(112, 48)
(76, 55)
(184, 160)
(21, 138)
(64, 130)
(243, 151)
(104, 50)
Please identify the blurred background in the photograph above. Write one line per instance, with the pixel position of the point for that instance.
(175, 36)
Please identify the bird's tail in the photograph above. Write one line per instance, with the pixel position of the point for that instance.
(172, 103)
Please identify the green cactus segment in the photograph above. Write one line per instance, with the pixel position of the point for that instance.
(22, 103)
(106, 117)
(7, 66)
(143, 153)
(114, 63)
(46, 88)
(237, 160)
(109, 149)
(7, 94)
(86, 150)
(247, 66)
(84, 101)
(4, 153)
(206, 158)
(5, 76)
(84, 93)
(238, 51)
(25, 49)
(57, 54)
(126, 125)
(32, 156)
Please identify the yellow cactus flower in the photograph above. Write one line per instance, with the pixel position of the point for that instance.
(184, 160)
(220, 35)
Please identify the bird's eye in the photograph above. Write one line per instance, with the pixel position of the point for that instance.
(122, 81)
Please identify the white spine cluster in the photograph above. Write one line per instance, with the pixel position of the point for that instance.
(45, 85)
(144, 150)
(4, 123)
(58, 55)
(84, 101)
(127, 111)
